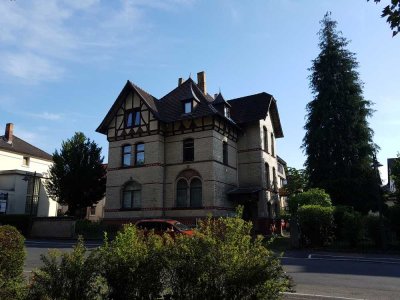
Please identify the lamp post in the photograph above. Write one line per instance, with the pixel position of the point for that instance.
(376, 165)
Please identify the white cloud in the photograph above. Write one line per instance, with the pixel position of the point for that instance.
(39, 38)
(47, 116)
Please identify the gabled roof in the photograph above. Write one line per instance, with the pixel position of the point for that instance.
(169, 107)
(171, 104)
(220, 100)
(148, 99)
(21, 147)
(256, 107)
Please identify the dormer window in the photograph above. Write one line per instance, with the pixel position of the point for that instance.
(187, 107)
(132, 118)
(227, 112)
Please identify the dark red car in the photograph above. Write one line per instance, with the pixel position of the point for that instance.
(161, 226)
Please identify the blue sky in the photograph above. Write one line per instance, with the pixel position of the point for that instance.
(63, 63)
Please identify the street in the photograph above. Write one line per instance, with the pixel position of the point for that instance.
(341, 276)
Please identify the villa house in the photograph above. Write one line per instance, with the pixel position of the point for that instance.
(188, 154)
(23, 169)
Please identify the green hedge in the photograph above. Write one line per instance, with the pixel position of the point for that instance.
(311, 197)
(12, 257)
(316, 225)
(21, 222)
(221, 261)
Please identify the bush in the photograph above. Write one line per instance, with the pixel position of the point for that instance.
(310, 197)
(12, 257)
(373, 229)
(72, 275)
(348, 224)
(316, 224)
(134, 264)
(393, 216)
(222, 261)
(21, 222)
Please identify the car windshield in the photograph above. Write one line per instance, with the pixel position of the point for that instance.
(181, 226)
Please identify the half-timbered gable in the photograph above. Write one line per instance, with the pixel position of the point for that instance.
(188, 154)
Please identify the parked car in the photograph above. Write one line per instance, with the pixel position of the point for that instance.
(161, 226)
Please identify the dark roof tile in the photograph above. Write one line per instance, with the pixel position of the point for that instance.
(21, 147)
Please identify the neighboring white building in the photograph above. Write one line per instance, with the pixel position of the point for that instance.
(392, 187)
(23, 170)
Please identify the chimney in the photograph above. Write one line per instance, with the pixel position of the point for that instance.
(201, 82)
(9, 132)
(180, 81)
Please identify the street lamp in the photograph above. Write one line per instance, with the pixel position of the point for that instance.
(26, 178)
(376, 165)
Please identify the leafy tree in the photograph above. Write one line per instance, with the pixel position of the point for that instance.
(392, 12)
(310, 197)
(296, 181)
(338, 141)
(77, 177)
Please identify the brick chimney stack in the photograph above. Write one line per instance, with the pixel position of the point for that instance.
(180, 81)
(9, 132)
(201, 82)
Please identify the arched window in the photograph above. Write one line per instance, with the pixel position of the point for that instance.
(131, 195)
(126, 155)
(188, 150)
(267, 176)
(274, 178)
(181, 193)
(195, 193)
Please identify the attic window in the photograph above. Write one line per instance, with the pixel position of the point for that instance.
(132, 118)
(187, 106)
(227, 112)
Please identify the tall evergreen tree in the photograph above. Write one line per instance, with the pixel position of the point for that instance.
(338, 141)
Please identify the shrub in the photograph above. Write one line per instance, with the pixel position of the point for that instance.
(316, 224)
(311, 197)
(393, 215)
(352, 227)
(72, 276)
(373, 229)
(12, 257)
(338, 217)
(222, 261)
(134, 265)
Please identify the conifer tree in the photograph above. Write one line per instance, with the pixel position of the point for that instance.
(338, 141)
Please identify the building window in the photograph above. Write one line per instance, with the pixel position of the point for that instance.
(132, 118)
(188, 150)
(181, 193)
(227, 111)
(126, 155)
(131, 197)
(280, 168)
(189, 195)
(187, 107)
(225, 153)
(93, 210)
(195, 193)
(267, 177)
(265, 140)
(272, 145)
(274, 178)
(139, 154)
(25, 161)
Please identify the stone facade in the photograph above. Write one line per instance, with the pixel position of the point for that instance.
(229, 160)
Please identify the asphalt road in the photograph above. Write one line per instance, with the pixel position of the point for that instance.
(344, 275)
(316, 275)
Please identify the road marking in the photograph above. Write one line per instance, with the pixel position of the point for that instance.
(384, 260)
(321, 296)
